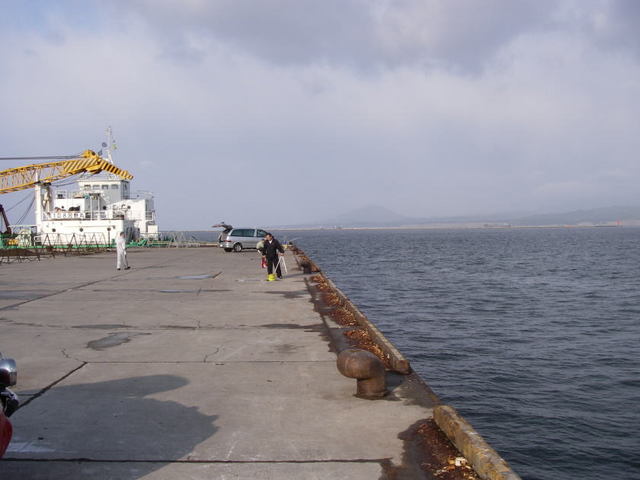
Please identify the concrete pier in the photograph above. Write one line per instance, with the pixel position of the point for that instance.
(189, 365)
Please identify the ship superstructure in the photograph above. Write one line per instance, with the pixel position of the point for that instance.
(101, 205)
(98, 208)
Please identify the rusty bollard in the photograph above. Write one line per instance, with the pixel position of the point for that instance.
(367, 369)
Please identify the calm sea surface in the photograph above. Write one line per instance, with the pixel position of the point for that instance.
(532, 334)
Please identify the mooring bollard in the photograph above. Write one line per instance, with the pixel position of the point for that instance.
(367, 369)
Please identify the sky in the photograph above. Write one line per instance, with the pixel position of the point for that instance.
(279, 112)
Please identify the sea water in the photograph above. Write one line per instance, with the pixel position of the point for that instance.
(531, 334)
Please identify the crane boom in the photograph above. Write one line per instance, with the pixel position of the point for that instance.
(21, 178)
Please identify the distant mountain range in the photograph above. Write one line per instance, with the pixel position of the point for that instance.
(374, 216)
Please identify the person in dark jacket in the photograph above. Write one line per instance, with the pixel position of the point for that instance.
(271, 251)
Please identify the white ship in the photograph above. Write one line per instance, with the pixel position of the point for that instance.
(96, 211)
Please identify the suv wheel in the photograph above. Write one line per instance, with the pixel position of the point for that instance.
(237, 247)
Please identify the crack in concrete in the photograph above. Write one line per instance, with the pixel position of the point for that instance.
(47, 388)
(76, 287)
(206, 357)
(221, 462)
(115, 326)
(180, 362)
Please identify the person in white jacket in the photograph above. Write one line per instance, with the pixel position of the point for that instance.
(121, 253)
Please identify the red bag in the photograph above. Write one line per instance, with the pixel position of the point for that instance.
(6, 431)
(264, 262)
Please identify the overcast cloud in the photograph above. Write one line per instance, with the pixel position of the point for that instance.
(290, 111)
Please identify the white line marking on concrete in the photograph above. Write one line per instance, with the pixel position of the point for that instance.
(27, 447)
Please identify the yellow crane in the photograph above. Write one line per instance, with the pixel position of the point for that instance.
(21, 178)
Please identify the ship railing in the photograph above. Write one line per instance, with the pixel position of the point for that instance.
(86, 215)
(66, 215)
(175, 240)
(135, 195)
(28, 246)
(73, 242)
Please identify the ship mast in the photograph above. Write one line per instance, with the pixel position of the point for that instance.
(109, 145)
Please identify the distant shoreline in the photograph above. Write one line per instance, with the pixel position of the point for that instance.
(448, 227)
(434, 227)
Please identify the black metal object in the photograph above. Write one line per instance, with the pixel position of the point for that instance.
(9, 402)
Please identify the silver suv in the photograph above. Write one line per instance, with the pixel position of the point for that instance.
(238, 239)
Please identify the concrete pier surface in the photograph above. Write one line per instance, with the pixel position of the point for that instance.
(188, 365)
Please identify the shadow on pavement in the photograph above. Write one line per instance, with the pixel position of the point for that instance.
(111, 429)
